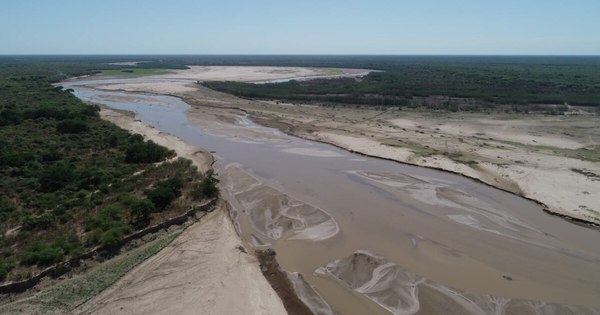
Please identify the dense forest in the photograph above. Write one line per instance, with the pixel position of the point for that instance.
(406, 82)
(69, 180)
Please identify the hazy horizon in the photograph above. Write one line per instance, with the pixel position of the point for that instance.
(268, 27)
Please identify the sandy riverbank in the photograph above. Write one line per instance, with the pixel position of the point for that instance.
(227, 73)
(252, 74)
(200, 157)
(203, 269)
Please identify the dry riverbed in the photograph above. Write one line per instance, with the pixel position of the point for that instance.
(551, 159)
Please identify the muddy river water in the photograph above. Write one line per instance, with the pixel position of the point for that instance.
(370, 236)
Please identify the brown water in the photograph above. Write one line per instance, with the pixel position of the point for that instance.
(394, 237)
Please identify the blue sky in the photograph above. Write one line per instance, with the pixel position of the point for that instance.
(300, 27)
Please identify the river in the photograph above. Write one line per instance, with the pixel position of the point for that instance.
(373, 236)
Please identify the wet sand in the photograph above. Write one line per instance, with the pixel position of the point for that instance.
(441, 227)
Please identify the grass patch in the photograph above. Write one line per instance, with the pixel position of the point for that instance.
(421, 151)
(418, 150)
(461, 158)
(66, 295)
(328, 71)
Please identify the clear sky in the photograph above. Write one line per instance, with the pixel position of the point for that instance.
(300, 27)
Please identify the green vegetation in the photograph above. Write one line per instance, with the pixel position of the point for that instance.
(207, 188)
(448, 83)
(165, 192)
(70, 180)
(145, 152)
(6, 265)
(426, 151)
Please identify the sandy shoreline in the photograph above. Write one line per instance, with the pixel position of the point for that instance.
(256, 74)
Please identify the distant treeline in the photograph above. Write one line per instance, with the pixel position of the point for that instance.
(505, 80)
(513, 80)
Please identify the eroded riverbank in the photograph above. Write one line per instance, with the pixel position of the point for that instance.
(439, 226)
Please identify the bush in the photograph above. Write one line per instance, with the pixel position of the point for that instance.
(145, 152)
(7, 209)
(10, 117)
(51, 156)
(90, 111)
(72, 126)
(46, 112)
(16, 159)
(91, 178)
(207, 188)
(112, 237)
(107, 226)
(161, 197)
(41, 254)
(6, 265)
(107, 218)
(165, 192)
(141, 211)
(56, 177)
(70, 246)
(41, 222)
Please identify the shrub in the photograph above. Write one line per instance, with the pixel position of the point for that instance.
(113, 141)
(7, 209)
(106, 218)
(6, 265)
(72, 126)
(51, 156)
(70, 246)
(161, 197)
(207, 188)
(145, 152)
(16, 159)
(107, 226)
(56, 177)
(41, 254)
(10, 117)
(90, 178)
(141, 211)
(165, 192)
(112, 237)
(90, 110)
(46, 112)
(41, 222)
